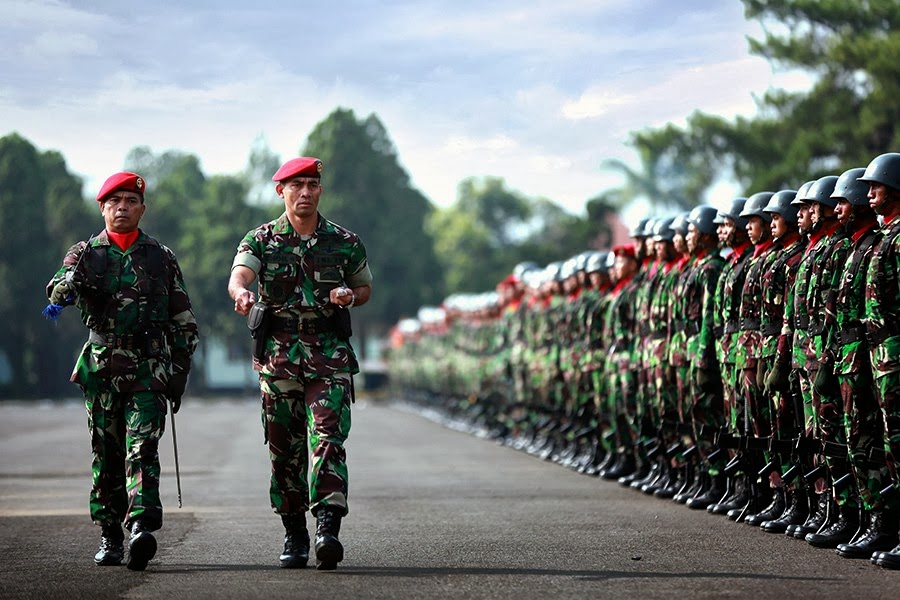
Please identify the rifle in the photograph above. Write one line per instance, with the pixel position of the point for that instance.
(175, 449)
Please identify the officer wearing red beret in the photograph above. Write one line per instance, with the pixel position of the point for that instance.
(142, 334)
(310, 272)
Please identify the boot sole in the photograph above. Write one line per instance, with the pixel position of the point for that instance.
(141, 550)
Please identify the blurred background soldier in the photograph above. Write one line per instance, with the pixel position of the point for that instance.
(132, 298)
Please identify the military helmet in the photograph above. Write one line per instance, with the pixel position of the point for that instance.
(800, 199)
(733, 212)
(884, 169)
(849, 187)
(680, 223)
(821, 191)
(638, 230)
(662, 231)
(650, 227)
(702, 218)
(781, 203)
(755, 204)
(524, 267)
(553, 271)
(596, 262)
(569, 268)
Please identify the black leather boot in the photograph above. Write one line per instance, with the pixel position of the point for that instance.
(296, 542)
(879, 536)
(713, 493)
(771, 512)
(329, 551)
(890, 559)
(839, 531)
(795, 513)
(822, 505)
(112, 545)
(141, 547)
(738, 496)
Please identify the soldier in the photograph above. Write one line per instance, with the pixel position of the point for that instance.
(882, 320)
(132, 298)
(311, 272)
(698, 309)
(733, 236)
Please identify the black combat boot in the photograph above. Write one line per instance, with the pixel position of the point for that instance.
(879, 536)
(141, 547)
(738, 497)
(839, 531)
(112, 545)
(821, 506)
(795, 513)
(769, 513)
(329, 551)
(711, 495)
(890, 559)
(296, 542)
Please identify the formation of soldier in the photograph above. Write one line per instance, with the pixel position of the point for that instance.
(743, 361)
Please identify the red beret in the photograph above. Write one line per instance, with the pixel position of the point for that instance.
(305, 166)
(130, 182)
(625, 250)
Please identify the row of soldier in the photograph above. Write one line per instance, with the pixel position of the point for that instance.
(745, 361)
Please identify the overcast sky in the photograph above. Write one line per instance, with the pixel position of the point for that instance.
(537, 92)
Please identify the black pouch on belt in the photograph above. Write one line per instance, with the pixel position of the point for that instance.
(258, 323)
(340, 322)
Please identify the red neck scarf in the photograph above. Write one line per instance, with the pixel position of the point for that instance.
(123, 240)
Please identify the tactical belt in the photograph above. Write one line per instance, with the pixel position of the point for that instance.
(309, 326)
(770, 328)
(128, 341)
(731, 327)
(749, 324)
(815, 328)
(850, 334)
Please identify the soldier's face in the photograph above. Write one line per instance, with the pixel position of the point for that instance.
(693, 237)
(756, 230)
(844, 211)
(301, 196)
(722, 235)
(804, 218)
(680, 243)
(122, 211)
(882, 199)
(778, 226)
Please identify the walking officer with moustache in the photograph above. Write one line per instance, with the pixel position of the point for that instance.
(310, 273)
(131, 294)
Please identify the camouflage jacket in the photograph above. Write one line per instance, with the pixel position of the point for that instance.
(844, 335)
(777, 281)
(296, 274)
(698, 309)
(882, 316)
(747, 348)
(728, 302)
(136, 304)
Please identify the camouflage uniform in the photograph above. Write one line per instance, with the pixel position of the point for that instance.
(306, 374)
(142, 331)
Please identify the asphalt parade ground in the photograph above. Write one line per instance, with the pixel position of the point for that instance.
(434, 513)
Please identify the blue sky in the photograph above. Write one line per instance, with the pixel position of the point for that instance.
(538, 93)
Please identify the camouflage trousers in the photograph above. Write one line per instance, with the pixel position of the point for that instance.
(299, 415)
(125, 432)
(864, 430)
(887, 391)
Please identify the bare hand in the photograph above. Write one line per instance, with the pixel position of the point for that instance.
(243, 301)
(341, 296)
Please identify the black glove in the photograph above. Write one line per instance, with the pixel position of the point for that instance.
(778, 379)
(175, 389)
(826, 383)
(62, 293)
